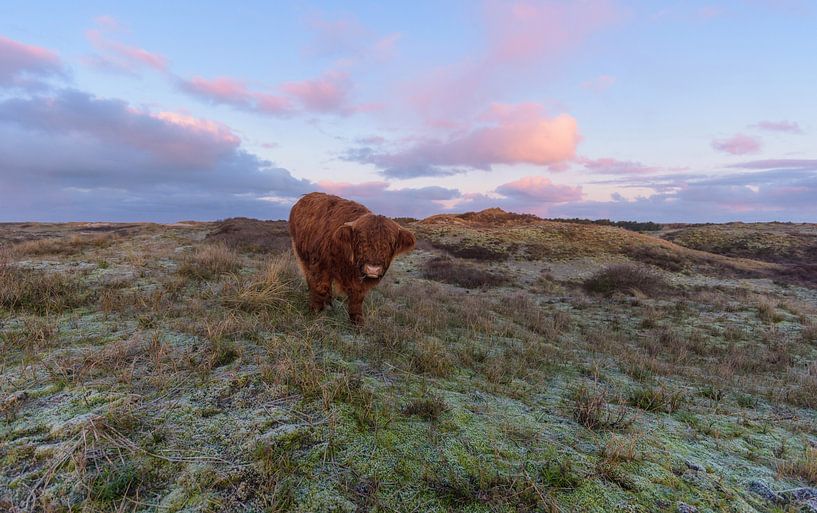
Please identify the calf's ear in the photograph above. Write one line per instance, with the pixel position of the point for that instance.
(344, 241)
(405, 241)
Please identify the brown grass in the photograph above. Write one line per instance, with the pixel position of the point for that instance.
(805, 467)
(208, 262)
(656, 399)
(39, 291)
(64, 246)
(592, 410)
(270, 291)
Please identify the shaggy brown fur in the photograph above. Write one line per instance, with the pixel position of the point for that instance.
(341, 242)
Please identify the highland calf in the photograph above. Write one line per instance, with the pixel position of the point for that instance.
(342, 243)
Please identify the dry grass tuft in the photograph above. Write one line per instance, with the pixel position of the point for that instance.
(40, 292)
(767, 312)
(64, 246)
(592, 410)
(271, 291)
(805, 467)
(656, 399)
(809, 333)
(209, 261)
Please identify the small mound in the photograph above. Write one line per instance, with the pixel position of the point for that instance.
(489, 216)
(245, 234)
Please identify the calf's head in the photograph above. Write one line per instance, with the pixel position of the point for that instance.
(370, 242)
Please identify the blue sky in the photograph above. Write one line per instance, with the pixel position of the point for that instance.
(665, 111)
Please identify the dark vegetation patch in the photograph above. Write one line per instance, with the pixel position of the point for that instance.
(463, 274)
(626, 279)
(658, 256)
(427, 408)
(633, 226)
(474, 252)
(253, 235)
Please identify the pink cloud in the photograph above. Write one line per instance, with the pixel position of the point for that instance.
(600, 83)
(118, 56)
(540, 189)
(525, 31)
(506, 134)
(739, 144)
(779, 126)
(20, 62)
(521, 39)
(327, 93)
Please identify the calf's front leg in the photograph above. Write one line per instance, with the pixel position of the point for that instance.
(355, 306)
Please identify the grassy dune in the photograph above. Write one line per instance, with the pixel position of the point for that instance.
(507, 364)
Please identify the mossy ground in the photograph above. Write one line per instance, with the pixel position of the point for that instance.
(183, 376)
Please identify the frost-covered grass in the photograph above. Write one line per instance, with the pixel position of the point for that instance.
(159, 372)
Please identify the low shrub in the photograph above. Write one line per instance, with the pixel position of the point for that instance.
(626, 279)
(459, 273)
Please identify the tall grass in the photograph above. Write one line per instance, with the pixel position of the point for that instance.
(209, 261)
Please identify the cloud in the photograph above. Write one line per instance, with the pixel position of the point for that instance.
(739, 144)
(609, 166)
(810, 164)
(599, 84)
(762, 196)
(530, 194)
(539, 189)
(115, 56)
(507, 134)
(378, 196)
(779, 126)
(346, 37)
(228, 91)
(93, 158)
(327, 94)
(520, 39)
(23, 65)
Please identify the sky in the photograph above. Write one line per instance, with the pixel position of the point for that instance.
(670, 111)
